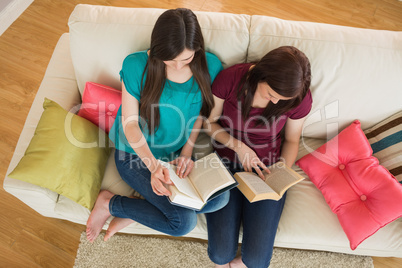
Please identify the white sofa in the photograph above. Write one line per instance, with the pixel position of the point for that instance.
(356, 74)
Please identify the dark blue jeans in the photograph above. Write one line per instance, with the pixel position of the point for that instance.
(260, 222)
(154, 211)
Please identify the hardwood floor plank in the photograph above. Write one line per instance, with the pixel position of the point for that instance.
(8, 231)
(194, 5)
(390, 14)
(41, 252)
(263, 7)
(54, 232)
(382, 262)
(10, 258)
(61, 234)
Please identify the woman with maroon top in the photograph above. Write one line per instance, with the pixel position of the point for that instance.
(256, 121)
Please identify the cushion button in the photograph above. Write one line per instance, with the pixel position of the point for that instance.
(363, 197)
(109, 113)
(341, 166)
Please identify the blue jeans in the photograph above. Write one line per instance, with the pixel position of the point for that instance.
(154, 211)
(260, 222)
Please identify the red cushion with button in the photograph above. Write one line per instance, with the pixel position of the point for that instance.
(363, 194)
(100, 105)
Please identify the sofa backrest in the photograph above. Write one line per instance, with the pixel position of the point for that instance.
(102, 36)
(356, 73)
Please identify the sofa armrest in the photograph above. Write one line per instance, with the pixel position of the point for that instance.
(59, 84)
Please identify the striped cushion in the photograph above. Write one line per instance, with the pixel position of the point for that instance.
(386, 141)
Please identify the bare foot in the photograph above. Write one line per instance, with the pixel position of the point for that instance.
(99, 215)
(116, 225)
(237, 263)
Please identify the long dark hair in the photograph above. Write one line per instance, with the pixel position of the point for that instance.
(174, 31)
(287, 71)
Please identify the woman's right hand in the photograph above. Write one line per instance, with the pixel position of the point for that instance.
(159, 177)
(249, 159)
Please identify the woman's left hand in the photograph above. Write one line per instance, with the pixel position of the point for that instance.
(249, 159)
(184, 165)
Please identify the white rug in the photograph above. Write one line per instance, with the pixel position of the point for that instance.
(140, 251)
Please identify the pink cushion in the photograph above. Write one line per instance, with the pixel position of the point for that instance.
(363, 194)
(100, 105)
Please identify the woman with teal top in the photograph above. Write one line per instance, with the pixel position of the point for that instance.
(165, 92)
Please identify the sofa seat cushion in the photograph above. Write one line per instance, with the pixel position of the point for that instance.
(363, 194)
(67, 155)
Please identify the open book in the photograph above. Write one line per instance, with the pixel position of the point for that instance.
(208, 179)
(275, 185)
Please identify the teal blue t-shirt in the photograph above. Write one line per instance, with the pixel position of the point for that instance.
(179, 106)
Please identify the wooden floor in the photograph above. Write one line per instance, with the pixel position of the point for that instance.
(28, 239)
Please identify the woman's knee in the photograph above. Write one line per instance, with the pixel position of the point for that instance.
(223, 200)
(186, 224)
(217, 203)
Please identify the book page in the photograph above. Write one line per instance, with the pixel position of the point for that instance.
(255, 183)
(209, 175)
(281, 177)
(183, 184)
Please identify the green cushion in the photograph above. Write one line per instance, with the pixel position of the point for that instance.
(67, 155)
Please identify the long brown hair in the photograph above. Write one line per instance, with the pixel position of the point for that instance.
(174, 31)
(287, 71)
